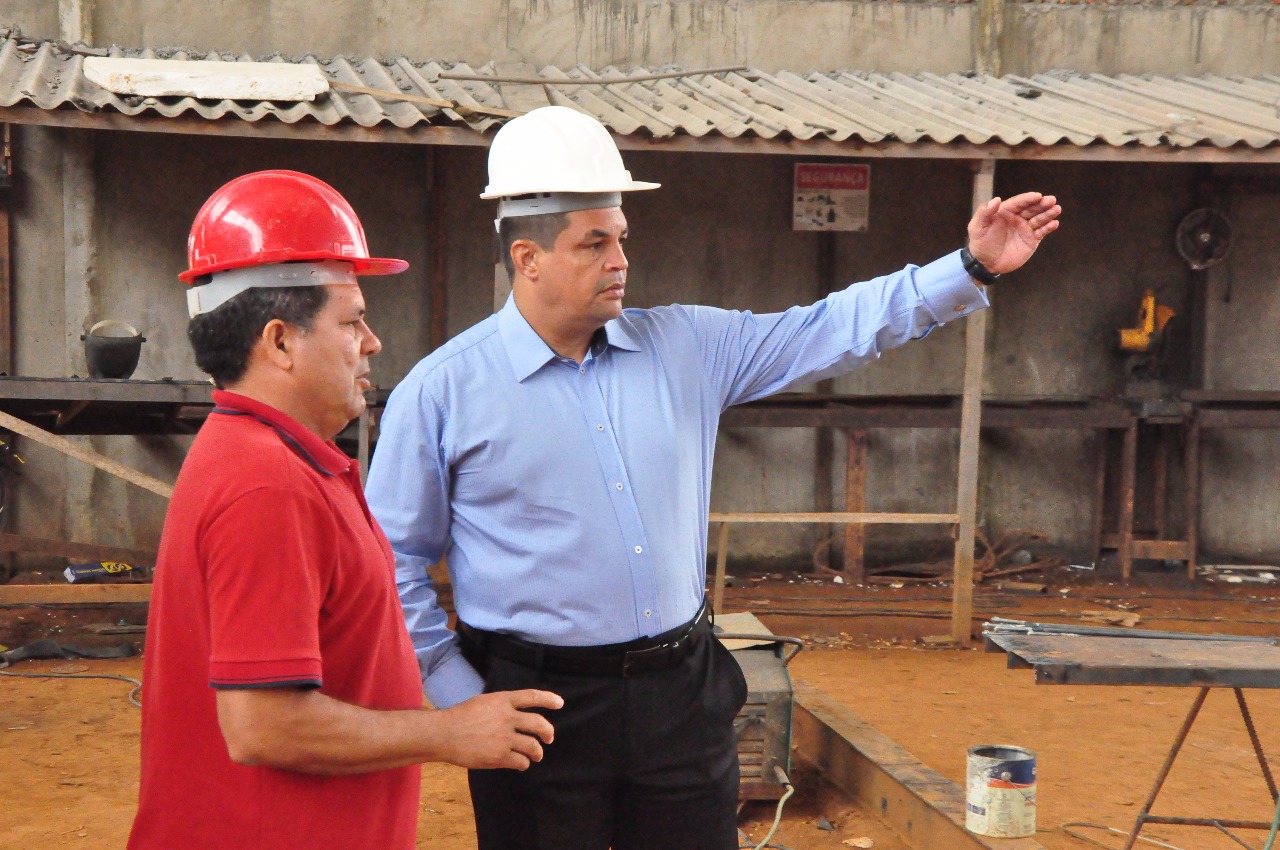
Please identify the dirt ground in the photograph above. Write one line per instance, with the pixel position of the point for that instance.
(68, 749)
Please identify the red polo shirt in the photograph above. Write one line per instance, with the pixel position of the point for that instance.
(271, 573)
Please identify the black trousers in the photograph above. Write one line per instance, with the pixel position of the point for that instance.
(646, 762)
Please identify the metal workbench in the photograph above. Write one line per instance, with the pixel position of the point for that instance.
(1202, 663)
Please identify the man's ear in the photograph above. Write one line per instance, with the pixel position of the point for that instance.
(277, 340)
(525, 254)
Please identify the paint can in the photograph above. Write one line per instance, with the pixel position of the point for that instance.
(1000, 801)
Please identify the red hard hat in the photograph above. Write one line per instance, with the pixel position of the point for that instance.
(278, 217)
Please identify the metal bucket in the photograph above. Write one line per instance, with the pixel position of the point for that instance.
(1000, 801)
(112, 348)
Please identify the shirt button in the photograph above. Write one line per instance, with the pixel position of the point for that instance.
(599, 427)
(639, 550)
(618, 486)
(648, 613)
(582, 369)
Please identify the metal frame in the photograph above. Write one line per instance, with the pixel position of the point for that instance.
(1145, 817)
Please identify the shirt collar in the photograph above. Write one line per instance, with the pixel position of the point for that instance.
(528, 352)
(325, 457)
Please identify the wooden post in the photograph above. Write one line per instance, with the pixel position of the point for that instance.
(855, 501)
(824, 438)
(6, 286)
(362, 442)
(970, 423)
(1191, 463)
(722, 563)
(1128, 485)
(437, 224)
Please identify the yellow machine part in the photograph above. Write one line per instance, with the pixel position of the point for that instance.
(1151, 320)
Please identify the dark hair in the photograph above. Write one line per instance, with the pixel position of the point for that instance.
(223, 337)
(542, 229)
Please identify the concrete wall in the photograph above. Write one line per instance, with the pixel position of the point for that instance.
(766, 34)
(717, 233)
(1052, 329)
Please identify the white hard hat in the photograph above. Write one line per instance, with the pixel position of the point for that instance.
(553, 151)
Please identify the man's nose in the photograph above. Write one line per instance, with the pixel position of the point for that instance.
(370, 344)
(617, 259)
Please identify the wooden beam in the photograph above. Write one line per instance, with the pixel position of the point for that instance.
(855, 501)
(70, 594)
(970, 429)
(81, 551)
(102, 462)
(923, 807)
(426, 134)
(839, 517)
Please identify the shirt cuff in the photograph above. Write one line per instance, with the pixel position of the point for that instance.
(947, 289)
(453, 682)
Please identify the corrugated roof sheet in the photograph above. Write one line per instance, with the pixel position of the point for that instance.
(1055, 108)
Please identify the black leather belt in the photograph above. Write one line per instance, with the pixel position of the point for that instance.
(645, 655)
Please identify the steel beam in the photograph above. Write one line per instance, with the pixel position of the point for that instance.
(921, 805)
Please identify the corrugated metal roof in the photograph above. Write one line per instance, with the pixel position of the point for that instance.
(1057, 108)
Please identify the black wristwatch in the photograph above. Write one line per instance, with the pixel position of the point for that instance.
(976, 270)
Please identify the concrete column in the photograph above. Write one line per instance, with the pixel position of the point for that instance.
(75, 21)
(988, 25)
(80, 269)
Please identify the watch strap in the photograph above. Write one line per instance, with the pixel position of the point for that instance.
(976, 270)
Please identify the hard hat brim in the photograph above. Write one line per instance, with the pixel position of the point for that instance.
(362, 266)
(633, 186)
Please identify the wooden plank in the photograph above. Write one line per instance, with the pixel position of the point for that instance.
(1161, 550)
(106, 389)
(1094, 660)
(1239, 417)
(970, 429)
(68, 594)
(81, 551)
(106, 464)
(840, 516)
(924, 808)
(855, 501)
(438, 226)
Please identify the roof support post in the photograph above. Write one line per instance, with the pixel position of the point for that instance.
(970, 424)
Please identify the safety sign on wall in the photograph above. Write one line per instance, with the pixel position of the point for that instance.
(831, 196)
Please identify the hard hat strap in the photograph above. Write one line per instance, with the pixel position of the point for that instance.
(544, 203)
(223, 286)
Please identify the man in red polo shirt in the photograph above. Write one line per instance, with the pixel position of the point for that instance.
(283, 704)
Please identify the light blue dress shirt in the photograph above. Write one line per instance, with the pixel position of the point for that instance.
(572, 498)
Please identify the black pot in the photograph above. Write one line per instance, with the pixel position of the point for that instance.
(112, 349)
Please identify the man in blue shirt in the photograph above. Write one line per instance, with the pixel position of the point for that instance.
(560, 453)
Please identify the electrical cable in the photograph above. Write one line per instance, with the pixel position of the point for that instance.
(777, 816)
(1275, 826)
(132, 694)
(1065, 828)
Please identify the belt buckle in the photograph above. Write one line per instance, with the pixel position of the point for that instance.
(637, 655)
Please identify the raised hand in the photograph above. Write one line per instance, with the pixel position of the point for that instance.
(499, 730)
(1004, 234)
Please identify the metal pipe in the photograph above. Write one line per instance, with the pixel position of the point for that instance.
(542, 81)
